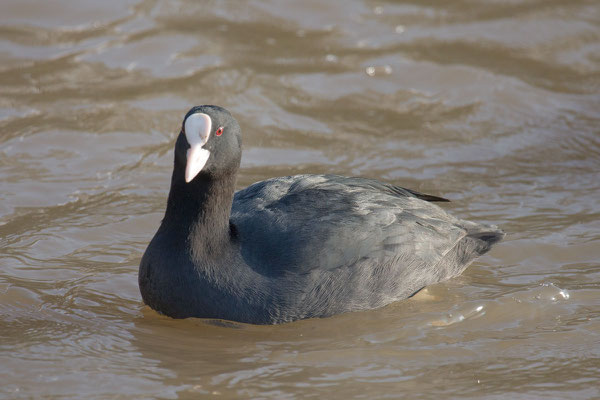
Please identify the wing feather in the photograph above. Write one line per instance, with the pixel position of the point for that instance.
(306, 222)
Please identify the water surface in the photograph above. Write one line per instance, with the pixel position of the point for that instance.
(495, 105)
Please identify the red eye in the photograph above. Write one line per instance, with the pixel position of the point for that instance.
(219, 131)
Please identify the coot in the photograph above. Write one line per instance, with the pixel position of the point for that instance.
(293, 247)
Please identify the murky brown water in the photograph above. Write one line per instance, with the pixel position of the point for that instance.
(493, 104)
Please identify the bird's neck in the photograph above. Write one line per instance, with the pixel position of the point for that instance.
(200, 210)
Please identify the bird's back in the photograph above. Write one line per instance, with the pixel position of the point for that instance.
(370, 242)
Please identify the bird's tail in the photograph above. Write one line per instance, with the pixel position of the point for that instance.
(483, 237)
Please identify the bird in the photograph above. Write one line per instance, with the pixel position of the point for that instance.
(294, 247)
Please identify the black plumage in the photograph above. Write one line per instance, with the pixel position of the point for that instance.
(295, 247)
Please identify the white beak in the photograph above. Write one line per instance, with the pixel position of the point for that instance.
(197, 131)
(196, 159)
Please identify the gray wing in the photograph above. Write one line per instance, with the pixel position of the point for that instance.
(300, 223)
